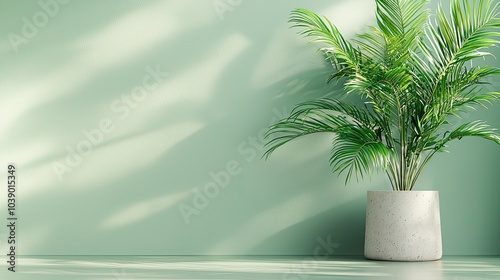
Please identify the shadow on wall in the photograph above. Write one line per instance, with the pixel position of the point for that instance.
(344, 231)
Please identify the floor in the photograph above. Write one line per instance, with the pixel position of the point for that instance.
(296, 268)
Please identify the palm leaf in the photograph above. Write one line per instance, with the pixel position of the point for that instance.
(357, 150)
(289, 129)
(360, 116)
(340, 51)
(401, 24)
(462, 37)
(473, 129)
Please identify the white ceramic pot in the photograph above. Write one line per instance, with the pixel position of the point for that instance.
(403, 226)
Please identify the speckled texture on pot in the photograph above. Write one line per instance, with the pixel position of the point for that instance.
(403, 226)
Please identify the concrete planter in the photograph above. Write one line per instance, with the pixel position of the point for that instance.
(403, 226)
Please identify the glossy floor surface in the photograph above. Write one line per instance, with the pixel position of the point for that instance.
(296, 268)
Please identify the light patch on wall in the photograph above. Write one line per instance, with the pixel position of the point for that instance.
(138, 32)
(26, 151)
(351, 16)
(40, 177)
(122, 40)
(127, 156)
(142, 210)
(27, 92)
(197, 83)
(128, 36)
(34, 180)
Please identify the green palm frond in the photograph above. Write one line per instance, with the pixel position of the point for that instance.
(340, 51)
(401, 24)
(357, 150)
(463, 36)
(289, 129)
(473, 99)
(358, 115)
(412, 72)
(473, 129)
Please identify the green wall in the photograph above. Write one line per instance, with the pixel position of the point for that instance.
(119, 115)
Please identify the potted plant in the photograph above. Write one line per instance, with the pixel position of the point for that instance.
(410, 74)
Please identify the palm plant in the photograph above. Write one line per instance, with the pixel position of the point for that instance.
(413, 72)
